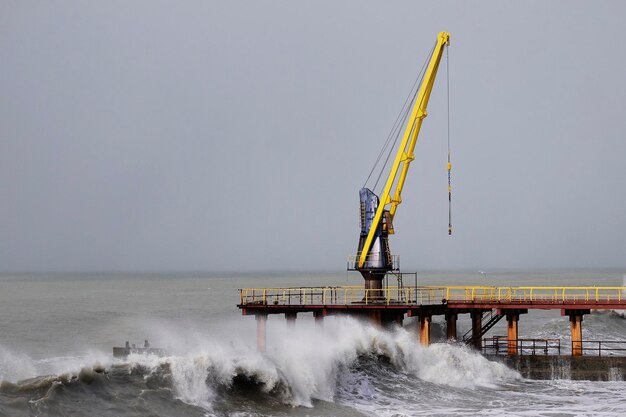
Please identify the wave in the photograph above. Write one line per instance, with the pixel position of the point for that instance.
(305, 365)
(348, 359)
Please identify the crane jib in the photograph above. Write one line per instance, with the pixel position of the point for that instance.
(373, 242)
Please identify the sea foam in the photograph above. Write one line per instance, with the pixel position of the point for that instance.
(304, 364)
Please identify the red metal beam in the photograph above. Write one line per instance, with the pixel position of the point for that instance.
(539, 305)
(433, 309)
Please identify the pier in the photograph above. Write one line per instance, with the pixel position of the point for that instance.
(486, 306)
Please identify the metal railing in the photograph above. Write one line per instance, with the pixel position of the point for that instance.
(341, 296)
(499, 345)
(372, 257)
(553, 294)
(412, 295)
(603, 348)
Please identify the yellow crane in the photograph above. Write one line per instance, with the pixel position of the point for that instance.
(374, 258)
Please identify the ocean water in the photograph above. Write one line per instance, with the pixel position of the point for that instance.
(57, 331)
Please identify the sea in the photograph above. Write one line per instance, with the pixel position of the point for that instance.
(57, 331)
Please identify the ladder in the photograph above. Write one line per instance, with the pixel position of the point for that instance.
(491, 318)
(398, 275)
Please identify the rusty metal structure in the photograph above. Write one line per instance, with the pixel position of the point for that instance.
(486, 305)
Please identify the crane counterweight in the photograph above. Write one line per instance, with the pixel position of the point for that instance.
(379, 260)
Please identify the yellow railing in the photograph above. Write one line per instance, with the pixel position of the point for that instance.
(551, 294)
(426, 295)
(372, 257)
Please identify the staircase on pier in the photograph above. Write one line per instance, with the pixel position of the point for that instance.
(489, 319)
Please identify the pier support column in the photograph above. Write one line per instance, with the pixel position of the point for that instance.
(261, 331)
(512, 333)
(451, 326)
(389, 319)
(291, 320)
(425, 330)
(477, 324)
(375, 317)
(576, 325)
(319, 318)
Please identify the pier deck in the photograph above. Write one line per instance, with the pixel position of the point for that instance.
(485, 304)
(443, 299)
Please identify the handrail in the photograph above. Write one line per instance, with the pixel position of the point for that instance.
(499, 345)
(372, 256)
(603, 347)
(420, 295)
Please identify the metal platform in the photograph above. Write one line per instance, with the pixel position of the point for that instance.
(278, 300)
(389, 305)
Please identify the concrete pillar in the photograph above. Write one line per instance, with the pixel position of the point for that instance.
(425, 330)
(576, 327)
(375, 317)
(451, 326)
(319, 318)
(576, 321)
(261, 331)
(477, 324)
(512, 333)
(398, 319)
(291, 320)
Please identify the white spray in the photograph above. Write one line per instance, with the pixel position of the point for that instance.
(305, 363)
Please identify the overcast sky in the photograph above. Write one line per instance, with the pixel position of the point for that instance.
(205, 135)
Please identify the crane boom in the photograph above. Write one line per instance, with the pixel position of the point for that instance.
(405, 154)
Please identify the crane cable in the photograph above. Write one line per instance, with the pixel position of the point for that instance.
(449, 163)
(400, 122)
(396, 126)
(397, 136)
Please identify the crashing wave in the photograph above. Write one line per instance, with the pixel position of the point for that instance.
(305, 365)
(302, 367)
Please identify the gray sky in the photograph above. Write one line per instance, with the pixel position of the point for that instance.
(206, 135)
